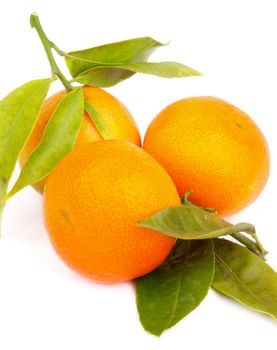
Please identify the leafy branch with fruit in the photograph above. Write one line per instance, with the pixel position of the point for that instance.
(116, 211)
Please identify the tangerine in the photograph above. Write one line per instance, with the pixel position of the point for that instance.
(91, 210)
(211, 147)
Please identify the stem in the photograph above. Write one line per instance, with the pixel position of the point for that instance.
(248, 243)
(59, 51)
(48, 45)
(259, 244)
(252, 231)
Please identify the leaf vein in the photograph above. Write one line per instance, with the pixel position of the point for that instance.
(237, 278)
(175, 304)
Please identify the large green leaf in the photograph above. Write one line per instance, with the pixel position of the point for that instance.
(177, 287)
(106, 76)
(58, 139)
(243, 276)
(127, 51)
(18, 115)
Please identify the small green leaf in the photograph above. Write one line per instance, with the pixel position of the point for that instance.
(127, 51)
(97, 120)
(191, 222)
(106, 76)
(243, 276)
(58, 139)
(18, 114)
(177, 287)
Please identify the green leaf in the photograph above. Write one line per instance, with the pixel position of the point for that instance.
(243, 276)
(106, 76)
(98, 121)
(103, 76)
(177, 287)
(18, 114)
(58, 139)
(191, 222)
(127, 51)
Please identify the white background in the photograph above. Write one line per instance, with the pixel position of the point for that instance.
(43, 304)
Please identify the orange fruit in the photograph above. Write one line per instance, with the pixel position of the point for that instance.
(214, 149)
(91, 210)
(117, 118)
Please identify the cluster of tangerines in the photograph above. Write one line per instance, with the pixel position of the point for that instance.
(94, 197)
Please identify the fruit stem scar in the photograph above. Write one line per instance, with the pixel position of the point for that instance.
(48, 46)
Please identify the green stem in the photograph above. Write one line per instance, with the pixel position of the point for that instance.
(250, 229)
(248, 243)
(259, 244)
(48, 45)
(59, 51)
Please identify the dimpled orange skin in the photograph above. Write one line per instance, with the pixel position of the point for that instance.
(91, 210)
(118, 120)
(213, 148)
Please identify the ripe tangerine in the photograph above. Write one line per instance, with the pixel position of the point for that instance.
(213, 148)
(92, 209)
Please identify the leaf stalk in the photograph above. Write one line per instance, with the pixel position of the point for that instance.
(251, 245)
(48, 46)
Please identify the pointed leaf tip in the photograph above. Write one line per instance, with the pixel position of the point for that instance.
(106, 76)
(109, 64)
(121, 52)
